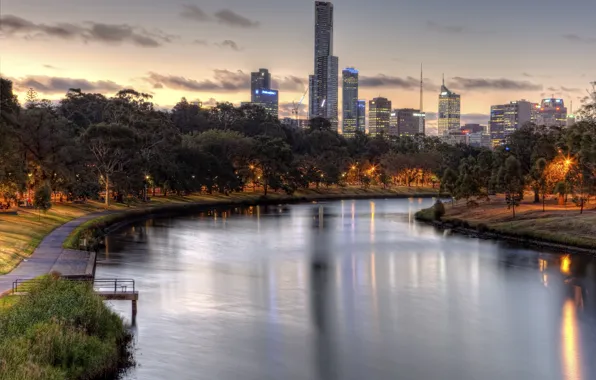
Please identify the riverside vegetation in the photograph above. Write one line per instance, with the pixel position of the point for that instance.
(61, 330)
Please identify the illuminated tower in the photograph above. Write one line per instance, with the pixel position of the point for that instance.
(449, 111)
(379, 116)
(349, 101)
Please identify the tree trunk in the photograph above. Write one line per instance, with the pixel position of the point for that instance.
(543, 201)
(107, 191)
(265, 187)
(561, 201)
(513, 208)
(536, 196)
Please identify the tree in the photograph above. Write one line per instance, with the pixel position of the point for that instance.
(42, 198)
(539, 180)
(274, 157)
(449, 182)
(511, 180)
(112, 147)
(561, 191)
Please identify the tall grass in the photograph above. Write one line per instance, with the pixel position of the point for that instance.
(60, 330)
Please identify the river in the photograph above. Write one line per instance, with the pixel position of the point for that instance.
(348, 290)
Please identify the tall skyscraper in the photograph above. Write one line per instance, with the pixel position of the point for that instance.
(258, 80)
(379, 116)
(268, 99)
(507, 118)
(449, 111)
(349, 102)
(406, 122)
(324, 93)
(361, 121)
(552, 112)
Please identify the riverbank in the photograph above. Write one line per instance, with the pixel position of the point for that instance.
(21, 234)
(558, 227)
(43, 337)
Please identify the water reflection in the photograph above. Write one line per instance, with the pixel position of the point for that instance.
(349, 290)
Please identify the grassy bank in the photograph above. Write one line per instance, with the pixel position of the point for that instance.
(562, 225)
(60, 330)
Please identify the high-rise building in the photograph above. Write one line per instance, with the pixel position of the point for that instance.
(361, 126)
(552, 113)
(258, 80)
(379, 116)
(507, 118)
(268, 99)
(406, 122)
(324, 92)
(349, 101)
(449, 111)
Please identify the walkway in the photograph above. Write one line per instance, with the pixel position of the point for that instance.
(45, 255)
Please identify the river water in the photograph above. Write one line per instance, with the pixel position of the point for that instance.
(348, 290)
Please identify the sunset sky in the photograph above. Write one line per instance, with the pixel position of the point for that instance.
(490, 52)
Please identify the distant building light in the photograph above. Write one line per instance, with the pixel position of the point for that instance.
(266, 92)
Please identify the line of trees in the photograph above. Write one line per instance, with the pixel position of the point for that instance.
(536, 159)
(88, 145)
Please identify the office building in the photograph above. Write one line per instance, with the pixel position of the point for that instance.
(449, 111)
(258, 80)
(268, 99)
(296, 123)
(455, 138)
(474, 128)
(552, 113)
(349, 101)
(324, 89)
(507, 118)
(361, 126)
(379, 116)
(406, 122)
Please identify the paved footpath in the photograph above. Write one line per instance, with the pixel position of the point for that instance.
(45, 255)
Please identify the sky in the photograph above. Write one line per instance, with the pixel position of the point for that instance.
(490, 52)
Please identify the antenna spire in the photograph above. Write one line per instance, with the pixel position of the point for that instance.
(443, 79)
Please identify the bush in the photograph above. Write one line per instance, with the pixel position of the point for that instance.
(60, 330)
(482, 228)
(438, 210)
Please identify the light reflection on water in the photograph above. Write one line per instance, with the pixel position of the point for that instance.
(349, 290)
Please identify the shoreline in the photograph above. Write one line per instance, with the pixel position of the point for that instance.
(482, 231)
(103, 225)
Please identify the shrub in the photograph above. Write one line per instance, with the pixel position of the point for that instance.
(438, 210)
(482, 228)
(60, 330)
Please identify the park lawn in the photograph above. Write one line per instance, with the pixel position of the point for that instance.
(7, 301)
(558, 224)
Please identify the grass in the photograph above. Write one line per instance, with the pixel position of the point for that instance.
(7, 301)
(60, 330)
(557, 224)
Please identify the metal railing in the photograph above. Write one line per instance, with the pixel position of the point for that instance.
(116, 285)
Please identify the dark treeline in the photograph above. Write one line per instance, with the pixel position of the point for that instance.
(89, 144)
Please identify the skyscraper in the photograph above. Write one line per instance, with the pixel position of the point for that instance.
(268, 99)
(258, 80)
(349, 102)
(324, 93)
(406, 122)
(361, 121)
(379, 115)
(449, 111)
(507, 118)
(552, 112)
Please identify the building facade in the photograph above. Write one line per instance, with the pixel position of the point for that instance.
(361, 121)
(552, 113)
(268, 99)
(258, 80)
(349, 102)
(507, 118)
(324, 90)
(379, 116)
(406, 122)
(449, 111)
(455, 138)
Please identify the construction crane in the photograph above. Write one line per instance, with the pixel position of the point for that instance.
(296, 107)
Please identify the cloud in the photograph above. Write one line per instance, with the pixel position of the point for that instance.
(289, 83)
(14, 26)
(212, 102)
(229, 44)
(200, 42)
(381, 80)
(475, 118)
(580, 39)
(451, 29)
(225, 17)
(50, 67)
(230, 18)
(58, 85)
(492, 84)
(193, 12)
(223, 81)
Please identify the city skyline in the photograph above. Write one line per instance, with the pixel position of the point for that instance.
(217, 45)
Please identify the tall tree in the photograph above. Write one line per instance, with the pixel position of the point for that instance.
(511, 180)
